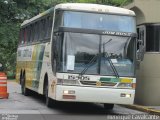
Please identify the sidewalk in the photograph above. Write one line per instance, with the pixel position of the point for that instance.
(149, 109)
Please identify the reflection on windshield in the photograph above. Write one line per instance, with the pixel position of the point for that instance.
(84, 47)
(79, 49)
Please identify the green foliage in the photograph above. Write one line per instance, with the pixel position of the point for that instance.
(86, 1)
(12, 14)
(9, 27)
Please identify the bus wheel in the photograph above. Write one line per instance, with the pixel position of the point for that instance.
(108, 106)
(24, 90)
(49, 101)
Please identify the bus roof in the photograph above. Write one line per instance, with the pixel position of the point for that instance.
(38, 16)
(95, 8)
(84, 7)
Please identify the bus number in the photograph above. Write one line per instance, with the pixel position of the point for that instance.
(73, 77)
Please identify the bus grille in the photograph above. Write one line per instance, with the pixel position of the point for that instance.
(93, 83)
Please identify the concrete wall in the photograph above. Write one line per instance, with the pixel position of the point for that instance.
(147, 11)
(148, 80)
(148, 76)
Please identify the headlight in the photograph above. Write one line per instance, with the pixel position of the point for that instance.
(67, 82)
(125, 95)
(124, 85)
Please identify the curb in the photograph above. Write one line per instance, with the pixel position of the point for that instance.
(149, 110)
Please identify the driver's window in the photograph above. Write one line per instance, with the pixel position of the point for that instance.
(141, 32)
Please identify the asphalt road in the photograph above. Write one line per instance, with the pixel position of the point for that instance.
(19, 107)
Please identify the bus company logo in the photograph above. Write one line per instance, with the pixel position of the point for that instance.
(27, 53)
(116, 33)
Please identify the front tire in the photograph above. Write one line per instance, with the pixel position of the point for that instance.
(108, 106)
(49, 101)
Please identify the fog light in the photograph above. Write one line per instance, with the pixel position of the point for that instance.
(125, 95)
(68, 92)
(124, 85)
(67, 82)
(128, 95)
(65, 92)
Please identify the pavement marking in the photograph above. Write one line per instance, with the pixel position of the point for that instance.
(143, 108)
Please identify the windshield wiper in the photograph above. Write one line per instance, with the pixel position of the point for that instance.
(106, 56)
(109, 60)
(92, 60)
(111, 64)
(89, 64)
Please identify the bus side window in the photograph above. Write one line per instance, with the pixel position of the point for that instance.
(28, 33)
(46, 27)
(32, 33)
(50, 22)
(24, 38)
(20, 37)
(36, 35)
(38, 30)
(42, 28)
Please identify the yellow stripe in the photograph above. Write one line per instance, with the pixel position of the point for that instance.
(126, 80)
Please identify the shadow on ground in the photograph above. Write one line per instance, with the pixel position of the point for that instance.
(75, 107)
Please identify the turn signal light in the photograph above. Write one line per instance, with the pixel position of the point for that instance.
(134, 85)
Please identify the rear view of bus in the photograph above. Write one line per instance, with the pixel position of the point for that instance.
(95, 52)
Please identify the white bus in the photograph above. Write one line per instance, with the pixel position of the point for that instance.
(78, 52)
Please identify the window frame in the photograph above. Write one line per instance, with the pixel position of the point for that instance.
(140, 29)
(35, 28)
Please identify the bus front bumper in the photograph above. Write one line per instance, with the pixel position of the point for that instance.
(94, 94)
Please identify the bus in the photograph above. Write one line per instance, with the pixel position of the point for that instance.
(78, 52)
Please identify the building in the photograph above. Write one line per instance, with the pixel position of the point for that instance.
(148, 29)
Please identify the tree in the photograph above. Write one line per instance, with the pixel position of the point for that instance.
(9, 27)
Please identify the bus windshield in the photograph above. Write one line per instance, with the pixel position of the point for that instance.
(78, 49)
(98, 21)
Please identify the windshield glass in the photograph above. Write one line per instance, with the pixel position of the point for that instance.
(119, 52)
(78, 49)
(96, 21)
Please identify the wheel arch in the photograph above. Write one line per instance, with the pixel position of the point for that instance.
(22, 73)
(20, 77)
(45, 81)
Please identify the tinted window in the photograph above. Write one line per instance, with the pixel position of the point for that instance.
(36, 31)
(153, 38)
(99, 21)
(20, 36)
(24, 33)
(42, 27)
(49, 26)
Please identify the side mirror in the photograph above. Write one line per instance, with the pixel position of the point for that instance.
(140, 51)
